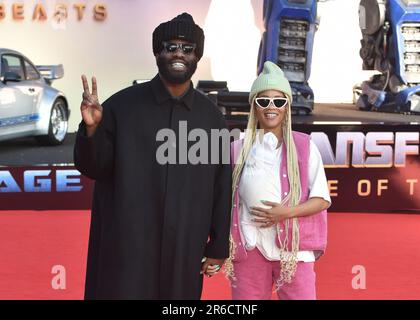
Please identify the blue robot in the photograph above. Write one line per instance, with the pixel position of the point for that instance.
(288, 39)
(390, 45)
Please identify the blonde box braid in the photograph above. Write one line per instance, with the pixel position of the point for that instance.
(288, 259)
(250, 134)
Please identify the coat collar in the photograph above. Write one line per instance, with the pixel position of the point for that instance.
(162, 94)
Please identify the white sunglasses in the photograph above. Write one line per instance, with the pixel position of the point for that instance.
(264, 102)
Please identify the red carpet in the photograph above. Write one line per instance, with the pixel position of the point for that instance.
(386, 245)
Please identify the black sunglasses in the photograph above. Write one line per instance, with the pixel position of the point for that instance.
(264, 102)
(171, 47)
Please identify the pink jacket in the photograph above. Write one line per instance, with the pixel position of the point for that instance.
(312, 229)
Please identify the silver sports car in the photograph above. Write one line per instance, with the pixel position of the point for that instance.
(29, 106)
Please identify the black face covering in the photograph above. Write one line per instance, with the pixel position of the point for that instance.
(164, 63)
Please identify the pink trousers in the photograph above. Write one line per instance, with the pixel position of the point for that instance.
(256, 275)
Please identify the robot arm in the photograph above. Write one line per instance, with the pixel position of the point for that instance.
(390, 44)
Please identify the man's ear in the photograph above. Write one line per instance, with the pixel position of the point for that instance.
(197, 58)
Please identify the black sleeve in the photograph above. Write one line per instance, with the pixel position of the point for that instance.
(218, 245)
(94, 156)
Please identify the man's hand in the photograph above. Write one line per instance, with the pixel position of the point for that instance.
(211, 266)
(271, 216)
(90, 107)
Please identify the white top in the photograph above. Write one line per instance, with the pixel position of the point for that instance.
(260, 181)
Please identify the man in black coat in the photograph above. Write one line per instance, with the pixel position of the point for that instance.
(154, 222)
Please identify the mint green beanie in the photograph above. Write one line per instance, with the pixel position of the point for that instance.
(271, 78)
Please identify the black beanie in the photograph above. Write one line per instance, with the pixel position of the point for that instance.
(181, 27)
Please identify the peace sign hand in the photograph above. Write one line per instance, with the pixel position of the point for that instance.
(90, 107)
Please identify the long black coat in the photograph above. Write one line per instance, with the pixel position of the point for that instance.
(151, 223)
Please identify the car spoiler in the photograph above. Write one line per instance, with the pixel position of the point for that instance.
(51, 72)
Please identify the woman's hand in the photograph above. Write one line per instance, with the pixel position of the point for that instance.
(278, 213)
(211, 266)
(271, 216)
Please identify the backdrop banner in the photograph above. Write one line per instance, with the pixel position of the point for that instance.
(370, 168)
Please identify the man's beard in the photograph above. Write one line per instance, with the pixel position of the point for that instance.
(173, 76)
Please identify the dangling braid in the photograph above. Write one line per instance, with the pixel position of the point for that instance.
(288, 260)
(250, 134)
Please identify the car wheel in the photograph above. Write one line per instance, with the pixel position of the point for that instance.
(58, 125)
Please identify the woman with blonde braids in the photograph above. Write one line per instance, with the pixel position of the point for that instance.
(280, 197)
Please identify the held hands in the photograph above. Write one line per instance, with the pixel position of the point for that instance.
(90, 107)
(271, 216)
(211, 266)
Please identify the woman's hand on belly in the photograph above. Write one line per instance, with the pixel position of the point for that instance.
(268, 217)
